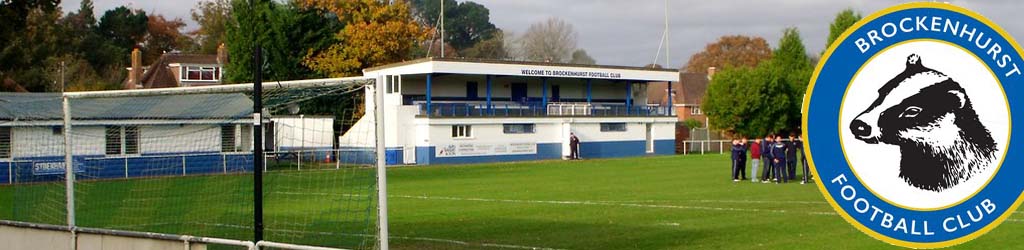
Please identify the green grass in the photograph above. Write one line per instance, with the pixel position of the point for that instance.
(675, 202)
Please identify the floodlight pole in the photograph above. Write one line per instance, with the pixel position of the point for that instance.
(257, 122)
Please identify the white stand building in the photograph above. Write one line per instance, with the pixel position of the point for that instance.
(455, 111)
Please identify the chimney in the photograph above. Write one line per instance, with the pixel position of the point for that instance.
(135, 73)
(222, 54)
(711, 72)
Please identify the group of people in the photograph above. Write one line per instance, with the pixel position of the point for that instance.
(778, 155)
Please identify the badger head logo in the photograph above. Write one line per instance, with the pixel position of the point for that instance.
(929, 116)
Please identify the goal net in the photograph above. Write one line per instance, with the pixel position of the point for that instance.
(180, 161)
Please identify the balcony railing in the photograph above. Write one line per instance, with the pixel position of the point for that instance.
(539, 110)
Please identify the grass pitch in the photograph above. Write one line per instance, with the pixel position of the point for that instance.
(673, 202)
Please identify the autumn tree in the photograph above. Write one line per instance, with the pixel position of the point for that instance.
(213, 18)
(28, 36)
(754, 101)
(164, 36)
(552, 40)
(844, 20)
(730, 51)
(375, 33)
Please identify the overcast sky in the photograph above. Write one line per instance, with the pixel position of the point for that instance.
(627, 32)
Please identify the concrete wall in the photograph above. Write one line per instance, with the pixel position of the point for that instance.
(19, 238)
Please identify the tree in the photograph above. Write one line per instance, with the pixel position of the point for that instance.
(580, 56)
(163, 36)
(287, 33)
(30, 32)
(375, 33)
(730, 51)
(466, 24)
(124, 27)
(552, 40)
(493, 48)
(844, 20)
(213, 17)
(754, 101)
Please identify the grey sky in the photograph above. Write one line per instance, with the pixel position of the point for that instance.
(618, 32)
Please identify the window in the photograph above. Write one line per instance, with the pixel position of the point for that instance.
(5, 142)
(122, 140)
(391, 84)
(193, 73)
(462, 131)
(695, 110)
(613, 127)
(58, 130)
(519, 128)
(227, 138)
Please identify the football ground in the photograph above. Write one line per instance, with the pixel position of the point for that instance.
(673, 202)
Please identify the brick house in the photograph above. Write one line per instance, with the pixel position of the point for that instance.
(176, 70)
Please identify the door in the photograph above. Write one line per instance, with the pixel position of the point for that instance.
(650, 138)
(555, 96)
(519, 92)
(566, 130)
(471, 91)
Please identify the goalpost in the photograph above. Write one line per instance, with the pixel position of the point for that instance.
(181, 161)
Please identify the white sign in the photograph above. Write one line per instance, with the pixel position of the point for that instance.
(485, 149)
(570, 73)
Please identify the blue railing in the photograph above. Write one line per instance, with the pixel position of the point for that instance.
(539, 110)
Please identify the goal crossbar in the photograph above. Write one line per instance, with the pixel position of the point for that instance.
(225, 88)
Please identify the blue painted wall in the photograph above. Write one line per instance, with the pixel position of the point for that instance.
(149, 165)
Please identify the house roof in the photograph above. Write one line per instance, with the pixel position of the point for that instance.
(48, 106)
(159, 74)
(689, 90)
(693, 87)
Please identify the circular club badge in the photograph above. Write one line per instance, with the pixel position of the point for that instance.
(908, 125)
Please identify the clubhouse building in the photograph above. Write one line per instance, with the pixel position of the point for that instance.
(457, 111)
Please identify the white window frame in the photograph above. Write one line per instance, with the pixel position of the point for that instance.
(606, 127)
(185, 69)
(462, 131)
(695, 110)
(224, 138)
(122, 136)
(6, 142)
(532, 128)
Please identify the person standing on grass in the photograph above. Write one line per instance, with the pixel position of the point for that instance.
(755, 159)
(737, 153)
(766, 154)
(803, 159)
(791, 148)
(743, 158)
(574, 146)
(779, 160)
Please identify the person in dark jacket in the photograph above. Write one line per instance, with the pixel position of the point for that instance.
(791, 149)
(766, 157)
(779, 160)
(574, 146)
(737, 153)
(803, 159)
(743, 158)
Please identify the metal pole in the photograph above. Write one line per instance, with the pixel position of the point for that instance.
(382, 183)
(69, 166)
(257, 154)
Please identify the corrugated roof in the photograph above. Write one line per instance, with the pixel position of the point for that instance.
(48, 106)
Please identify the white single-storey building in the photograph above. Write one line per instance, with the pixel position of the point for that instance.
(451, 111)
(122, 137)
